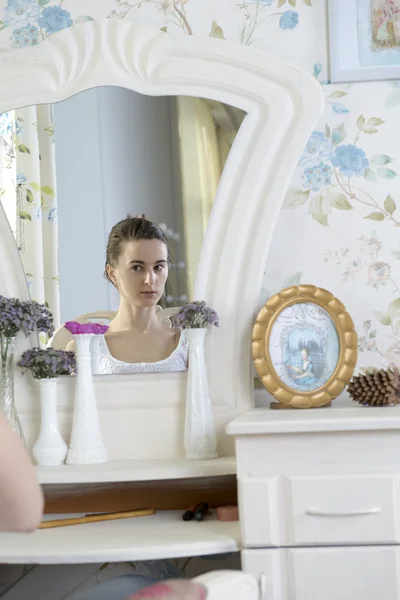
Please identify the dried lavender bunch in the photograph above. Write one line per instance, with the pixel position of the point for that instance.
(29, 316)
(42, 317)
(195, 315)
(12, 317)
(46, 363)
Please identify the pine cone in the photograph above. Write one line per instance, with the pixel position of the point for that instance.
(379, 387)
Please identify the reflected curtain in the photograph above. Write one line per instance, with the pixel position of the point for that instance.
(201, 169)
(28, 194)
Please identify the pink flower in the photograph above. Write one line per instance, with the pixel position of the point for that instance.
(80, 328)
(158, 590)
(370, 245)
(378, 274)
(392, 352)
(173, 590)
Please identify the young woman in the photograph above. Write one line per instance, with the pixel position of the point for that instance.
(137, 262)
(305, 375)
(21, 498)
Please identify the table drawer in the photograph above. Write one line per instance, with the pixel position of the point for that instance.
(343, 510)
(268, 567)
(343, 573)
(259, 516)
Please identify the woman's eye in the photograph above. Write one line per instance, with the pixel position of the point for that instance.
(136, 268)
(159, 267)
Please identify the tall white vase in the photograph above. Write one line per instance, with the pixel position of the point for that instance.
(86, 446)
(200, 436)
(49, 449)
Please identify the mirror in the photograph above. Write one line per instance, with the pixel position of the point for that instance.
(71, 171)
(282, 104)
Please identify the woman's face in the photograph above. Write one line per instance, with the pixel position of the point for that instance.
(304, 354)
(141, 271)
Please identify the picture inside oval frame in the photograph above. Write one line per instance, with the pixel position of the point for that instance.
(304, 347)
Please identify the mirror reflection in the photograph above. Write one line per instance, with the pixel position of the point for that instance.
(108, 195)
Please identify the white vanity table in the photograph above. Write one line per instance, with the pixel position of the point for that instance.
(163, 535)
(318, 498)
(68, 556)
(142, 416)
(319, 502)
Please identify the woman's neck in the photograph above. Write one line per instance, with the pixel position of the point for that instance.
(135, 317)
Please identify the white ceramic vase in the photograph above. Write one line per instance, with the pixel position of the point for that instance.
(50, 449)
(200, 436)
(86, 445)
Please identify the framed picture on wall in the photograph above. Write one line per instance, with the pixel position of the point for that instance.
(364, 40)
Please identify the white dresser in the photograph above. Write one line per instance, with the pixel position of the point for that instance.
(319, 500)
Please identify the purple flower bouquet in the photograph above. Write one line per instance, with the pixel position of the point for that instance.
(17, 316)
(195, 315)
(47, 363)
(200, 439)
(28, 316)
(86, 443)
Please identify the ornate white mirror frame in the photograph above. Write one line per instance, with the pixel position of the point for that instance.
(283, 104)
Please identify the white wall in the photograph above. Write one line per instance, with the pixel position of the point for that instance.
(80, 205)
(113, 158)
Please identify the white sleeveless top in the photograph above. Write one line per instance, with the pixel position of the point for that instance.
(103, 363)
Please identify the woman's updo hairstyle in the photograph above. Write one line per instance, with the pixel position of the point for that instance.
(132, 228)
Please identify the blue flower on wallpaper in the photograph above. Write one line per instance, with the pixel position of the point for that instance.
(4, 124)
(25, 36)
(350, 160)
(54, 18)
(289, 19)
(52, 216)
(21, 13)
(266, 2)
(339, 108)
(18, 126)
(317, 69)
(21, 178)
(318, 148)
(317, 177)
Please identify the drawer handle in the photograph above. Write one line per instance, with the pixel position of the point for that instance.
(354, 513)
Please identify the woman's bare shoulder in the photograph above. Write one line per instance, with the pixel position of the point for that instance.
(115, 334)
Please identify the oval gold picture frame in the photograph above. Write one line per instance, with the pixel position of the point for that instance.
(347, 351)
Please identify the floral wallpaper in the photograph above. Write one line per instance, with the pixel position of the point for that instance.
(339, 223)
(345, 197)
(28, 22)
